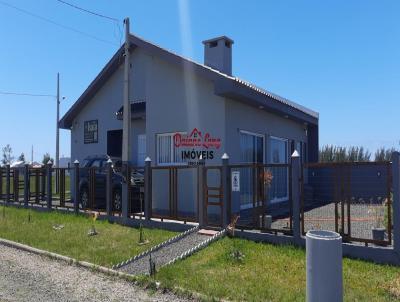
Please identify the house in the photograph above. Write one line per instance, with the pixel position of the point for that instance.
(183, 110)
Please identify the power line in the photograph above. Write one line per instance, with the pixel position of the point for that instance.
(88, 11)
(114, 20)
(26, 94)
(55, 23)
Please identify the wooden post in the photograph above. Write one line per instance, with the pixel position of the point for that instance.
(26, 186)
(296, 196)
(109, 188)
(147, 189)
(76, 186)
(49, 197)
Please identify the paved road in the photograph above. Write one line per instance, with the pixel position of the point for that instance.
(29, 277)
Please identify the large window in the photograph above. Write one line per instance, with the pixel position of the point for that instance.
(279, 189)
(167, 153)
(251, 151)
(251, 147)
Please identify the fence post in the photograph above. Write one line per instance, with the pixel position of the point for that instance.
(147, 188)
(43, 183)
(8, 183)
(109, 188)
(125, 192)
(396, 200)
(76, 186)
(295, 177)
(225, 190)
(49, 184)
(26, 186)
(201, 199)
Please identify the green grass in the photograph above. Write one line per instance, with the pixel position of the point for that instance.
(113, 244)
(271, 273)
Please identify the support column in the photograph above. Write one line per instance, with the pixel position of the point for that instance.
(295, 176)
(26, 185)
(8, 183)
(109, 188)
(225, 190)
(147, 189)
(49, 190)
(76, 186)
(396, 200)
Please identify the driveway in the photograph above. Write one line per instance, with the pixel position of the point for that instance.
(29, 277)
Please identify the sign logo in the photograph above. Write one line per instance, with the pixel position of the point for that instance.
(196, 139)
(196, 146)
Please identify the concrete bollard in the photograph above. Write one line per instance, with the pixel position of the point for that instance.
(324, 266)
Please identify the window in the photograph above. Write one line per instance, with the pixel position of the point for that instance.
(251, 147)
(141, 154)
(251, 151)
(90, 131)
(167, 153)
(279, 190)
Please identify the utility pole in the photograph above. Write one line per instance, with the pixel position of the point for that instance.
(58, 118)
(32, 155)
(126, 144)
(58, 130)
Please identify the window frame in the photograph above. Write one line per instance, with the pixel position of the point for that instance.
(171, 134)
(256, 135)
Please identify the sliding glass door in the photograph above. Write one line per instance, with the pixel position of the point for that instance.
(251, 151)
(279, 189)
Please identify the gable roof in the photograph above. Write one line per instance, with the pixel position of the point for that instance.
(225, 85)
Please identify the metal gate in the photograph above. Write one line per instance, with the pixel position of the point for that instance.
(213, 196)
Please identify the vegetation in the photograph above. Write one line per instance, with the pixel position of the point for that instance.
(7, 155)
(271, 273)
(330, 153)
(47, 158)
(67, 234)
(383, 154)
(21, 157)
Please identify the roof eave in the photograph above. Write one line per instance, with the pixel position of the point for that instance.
(232, 89)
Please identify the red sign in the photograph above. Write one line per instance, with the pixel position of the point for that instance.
(196, 139)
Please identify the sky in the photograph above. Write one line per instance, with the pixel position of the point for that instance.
(339, 58)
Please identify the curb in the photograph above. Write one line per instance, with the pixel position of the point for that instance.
(155, 248)
(69, 260)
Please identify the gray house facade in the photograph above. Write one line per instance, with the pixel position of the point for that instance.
(182, 109)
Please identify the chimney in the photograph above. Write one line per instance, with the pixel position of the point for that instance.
(218, 54)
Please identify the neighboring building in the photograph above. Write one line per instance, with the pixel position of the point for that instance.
(64, 162)
(176, 102)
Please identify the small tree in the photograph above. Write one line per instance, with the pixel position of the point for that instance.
(7, 155)
(46, 158)
(22, 157)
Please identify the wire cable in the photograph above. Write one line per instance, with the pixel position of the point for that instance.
(88, 11)
(57, 24)
(26, 94)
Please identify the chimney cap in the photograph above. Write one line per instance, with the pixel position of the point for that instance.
(217, 39)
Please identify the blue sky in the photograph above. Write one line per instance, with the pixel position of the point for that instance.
(340, 58)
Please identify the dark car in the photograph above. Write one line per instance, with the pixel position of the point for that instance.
(99, 173)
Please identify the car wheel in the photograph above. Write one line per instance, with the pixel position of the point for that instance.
(117, 200)
(84, 198)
